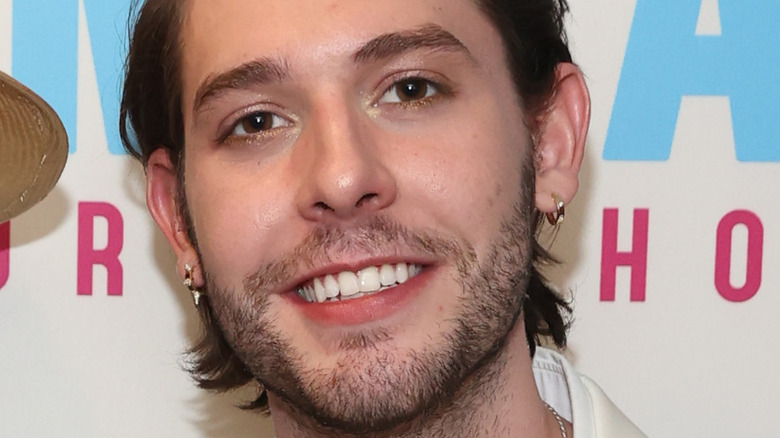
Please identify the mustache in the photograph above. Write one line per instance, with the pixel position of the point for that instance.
(375, 236)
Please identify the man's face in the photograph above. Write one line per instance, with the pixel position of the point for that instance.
(326, 139)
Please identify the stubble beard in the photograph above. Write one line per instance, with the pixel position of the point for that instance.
(376, 389)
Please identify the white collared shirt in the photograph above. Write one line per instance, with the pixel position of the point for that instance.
(578, 399)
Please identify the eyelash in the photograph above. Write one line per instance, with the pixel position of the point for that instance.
(435, 91)
(438, 90)
(275, 119)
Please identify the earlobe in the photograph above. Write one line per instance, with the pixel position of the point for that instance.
(162, 188)
(561, 146)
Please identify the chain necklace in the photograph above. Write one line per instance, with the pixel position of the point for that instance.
(558, 419)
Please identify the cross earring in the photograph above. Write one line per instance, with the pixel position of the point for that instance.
(196, 294)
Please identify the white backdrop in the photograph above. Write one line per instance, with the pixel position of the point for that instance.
(689, 353)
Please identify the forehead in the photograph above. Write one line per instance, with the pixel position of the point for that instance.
(220, 34)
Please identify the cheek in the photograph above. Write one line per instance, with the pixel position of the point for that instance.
(237, 220)
(468, 180)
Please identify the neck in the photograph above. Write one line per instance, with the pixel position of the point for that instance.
(500, 399)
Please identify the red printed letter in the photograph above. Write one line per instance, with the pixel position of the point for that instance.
(5, 253)
(108, 257)
(636, 259)
(755, 254)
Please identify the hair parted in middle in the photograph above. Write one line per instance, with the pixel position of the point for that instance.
(151, 118)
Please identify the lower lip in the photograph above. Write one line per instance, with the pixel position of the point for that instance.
(365, 309)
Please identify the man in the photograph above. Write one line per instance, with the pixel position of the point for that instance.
(352, 190)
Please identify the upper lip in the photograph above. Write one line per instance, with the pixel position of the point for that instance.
(354, 266)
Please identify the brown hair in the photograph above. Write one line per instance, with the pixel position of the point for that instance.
(151, 118)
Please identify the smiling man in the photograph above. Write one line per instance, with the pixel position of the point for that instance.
(353, 191)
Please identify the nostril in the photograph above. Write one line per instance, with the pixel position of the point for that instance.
(322, 206)
(365, 198)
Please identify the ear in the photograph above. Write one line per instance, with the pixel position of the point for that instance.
(562, 143)
(162, 188)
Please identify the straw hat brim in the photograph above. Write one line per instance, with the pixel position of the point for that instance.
(33, 148)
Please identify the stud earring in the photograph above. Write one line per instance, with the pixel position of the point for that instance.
(556, 217)
(196, 294)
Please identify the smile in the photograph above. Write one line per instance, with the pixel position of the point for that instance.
(348, 285)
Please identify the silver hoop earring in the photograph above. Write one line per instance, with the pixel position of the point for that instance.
(556, 217)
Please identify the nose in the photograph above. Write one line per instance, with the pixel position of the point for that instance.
(343, 174)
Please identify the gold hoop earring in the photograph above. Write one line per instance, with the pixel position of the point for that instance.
(556, 217)
(196, 294)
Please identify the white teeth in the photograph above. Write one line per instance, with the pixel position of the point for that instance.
(401, 273)
(387, 275)
(369, 279)
(331, 286)
(348, 283)
(319, 290)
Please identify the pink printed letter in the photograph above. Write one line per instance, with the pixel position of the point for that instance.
(755, 254)
(636, 259)
(5, 253)
(108, 257)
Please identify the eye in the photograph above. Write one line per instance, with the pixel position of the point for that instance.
(409, 91)
(258, 122)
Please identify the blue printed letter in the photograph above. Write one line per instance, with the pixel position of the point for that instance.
(107, 22)
(45, 56)
(666, 60)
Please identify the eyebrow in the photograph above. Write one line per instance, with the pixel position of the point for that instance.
(252, 73)
(430, 36)
(266, 70)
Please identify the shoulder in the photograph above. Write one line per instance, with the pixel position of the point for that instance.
(608, 420)
(579, 399)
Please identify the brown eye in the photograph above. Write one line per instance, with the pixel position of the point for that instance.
(257, 123)
(411, 90)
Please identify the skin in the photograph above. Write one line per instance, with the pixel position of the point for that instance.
(272, 209)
